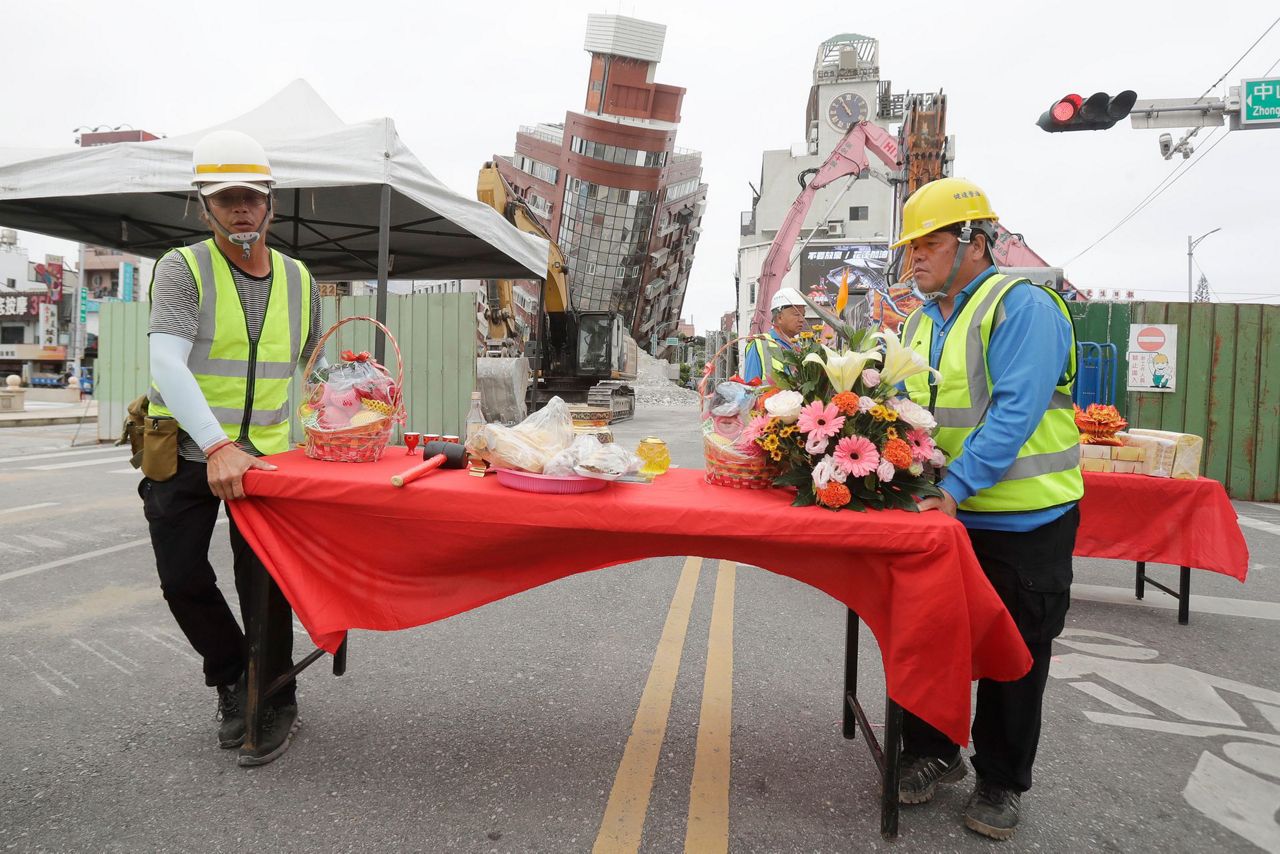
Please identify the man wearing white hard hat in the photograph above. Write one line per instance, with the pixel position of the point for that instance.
(764, 358)
(231, 320)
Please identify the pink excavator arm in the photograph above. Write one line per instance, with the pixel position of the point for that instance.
(848, 158)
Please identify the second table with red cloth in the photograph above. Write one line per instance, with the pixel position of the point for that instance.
(350, 551)
(1181, 522)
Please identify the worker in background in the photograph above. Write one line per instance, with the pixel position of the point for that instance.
(230, 322)
(1006, 352)
(764, 358)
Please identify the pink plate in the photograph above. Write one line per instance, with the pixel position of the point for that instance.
(529, 482)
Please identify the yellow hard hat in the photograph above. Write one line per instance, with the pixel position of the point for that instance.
(941, 203)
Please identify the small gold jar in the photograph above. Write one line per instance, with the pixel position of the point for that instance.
(657, 459)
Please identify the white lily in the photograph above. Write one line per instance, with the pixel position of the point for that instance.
(843, 369)
(901, 362)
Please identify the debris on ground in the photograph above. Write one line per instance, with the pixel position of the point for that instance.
(654, 389)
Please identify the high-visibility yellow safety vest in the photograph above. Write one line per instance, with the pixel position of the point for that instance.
(770, 353)
(1046, 472)
(246, 382)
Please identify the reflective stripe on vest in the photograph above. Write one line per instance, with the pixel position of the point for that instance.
(769, 363)
(1046, 472)
(223, 359)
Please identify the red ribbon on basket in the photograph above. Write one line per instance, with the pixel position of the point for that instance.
(352, 356)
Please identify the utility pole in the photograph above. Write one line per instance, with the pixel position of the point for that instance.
(1191, 248)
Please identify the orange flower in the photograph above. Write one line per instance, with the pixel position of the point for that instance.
(897, 452)
(834, 495)
(846, 402)
(763, 396)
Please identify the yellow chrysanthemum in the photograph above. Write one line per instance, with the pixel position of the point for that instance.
(891, 433)
(769, 443)
(787, 431)
(777, 455)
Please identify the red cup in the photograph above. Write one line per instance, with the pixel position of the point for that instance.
(430, 437)
(452, 439)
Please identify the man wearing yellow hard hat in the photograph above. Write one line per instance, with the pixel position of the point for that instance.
(231, 320)
(1005, 349)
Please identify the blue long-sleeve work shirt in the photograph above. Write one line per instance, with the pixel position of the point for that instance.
(751, 368)
(1028, 356)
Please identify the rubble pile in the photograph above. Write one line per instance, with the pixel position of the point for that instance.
(654, 389)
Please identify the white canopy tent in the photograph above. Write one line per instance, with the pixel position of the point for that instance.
(352, 201)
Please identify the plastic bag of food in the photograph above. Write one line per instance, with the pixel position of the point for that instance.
(1188, 449)
(529, 445)
(608, 462)
(563, 463)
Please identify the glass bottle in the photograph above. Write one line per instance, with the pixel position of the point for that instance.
(475, 418)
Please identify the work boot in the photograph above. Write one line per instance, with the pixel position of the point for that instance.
(279, 723)
(993, 810)
(231, 715)
(920, 776)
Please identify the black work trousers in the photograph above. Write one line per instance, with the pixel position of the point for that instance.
(1031, 572)
(181, 513)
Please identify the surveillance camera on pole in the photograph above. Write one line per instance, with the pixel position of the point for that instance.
(1099, 111)
(1166, 145)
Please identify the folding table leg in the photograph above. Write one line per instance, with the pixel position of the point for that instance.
(1184, 595)
(850, 674)
(892, 751)
(256, 677)
(1140, 580)
(340, 657)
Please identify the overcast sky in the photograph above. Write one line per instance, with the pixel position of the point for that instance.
(459, 78)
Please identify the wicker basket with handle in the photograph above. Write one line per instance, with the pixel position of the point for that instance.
(727, 465)
(363, 443)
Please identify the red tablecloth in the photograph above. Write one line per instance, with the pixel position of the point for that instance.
(1161, 520)
(351, 551)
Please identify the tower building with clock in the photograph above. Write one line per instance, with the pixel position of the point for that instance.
(611, 187)
(852, 229)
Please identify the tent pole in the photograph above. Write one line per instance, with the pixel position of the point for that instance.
(384, 247)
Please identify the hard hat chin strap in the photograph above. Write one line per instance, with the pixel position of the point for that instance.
(244, 239)
(966, 236)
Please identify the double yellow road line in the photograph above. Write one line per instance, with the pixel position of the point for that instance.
(708, 825)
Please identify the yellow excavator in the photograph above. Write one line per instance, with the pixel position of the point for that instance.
(586, 357)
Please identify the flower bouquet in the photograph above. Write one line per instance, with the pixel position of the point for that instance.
(844, 434)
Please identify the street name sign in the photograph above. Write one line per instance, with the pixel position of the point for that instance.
(1260, 102)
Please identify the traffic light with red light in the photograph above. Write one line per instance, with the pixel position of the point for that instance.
(1097, 112)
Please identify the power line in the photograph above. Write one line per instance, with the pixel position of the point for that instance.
(1240, 60)
(1165, 183)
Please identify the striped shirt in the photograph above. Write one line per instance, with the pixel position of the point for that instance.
(175, 310)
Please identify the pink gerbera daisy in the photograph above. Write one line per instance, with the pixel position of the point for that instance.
(857, 455)
(921, 444)
(819, 419)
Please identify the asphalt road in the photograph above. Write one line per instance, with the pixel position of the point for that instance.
(504, 729)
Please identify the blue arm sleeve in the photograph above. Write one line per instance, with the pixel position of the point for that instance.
(751, 368)
(1028, 356)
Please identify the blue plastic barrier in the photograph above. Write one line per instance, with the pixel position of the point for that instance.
(1095, 374)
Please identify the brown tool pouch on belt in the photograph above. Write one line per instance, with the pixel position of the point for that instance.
(132, 430)
(160, 448)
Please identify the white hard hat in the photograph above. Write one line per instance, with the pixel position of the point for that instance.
(229, 158)
(785, 297)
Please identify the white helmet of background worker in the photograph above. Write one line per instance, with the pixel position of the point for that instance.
(225, 159)
(785, 297)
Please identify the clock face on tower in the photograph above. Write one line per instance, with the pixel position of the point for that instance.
(846, 110)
